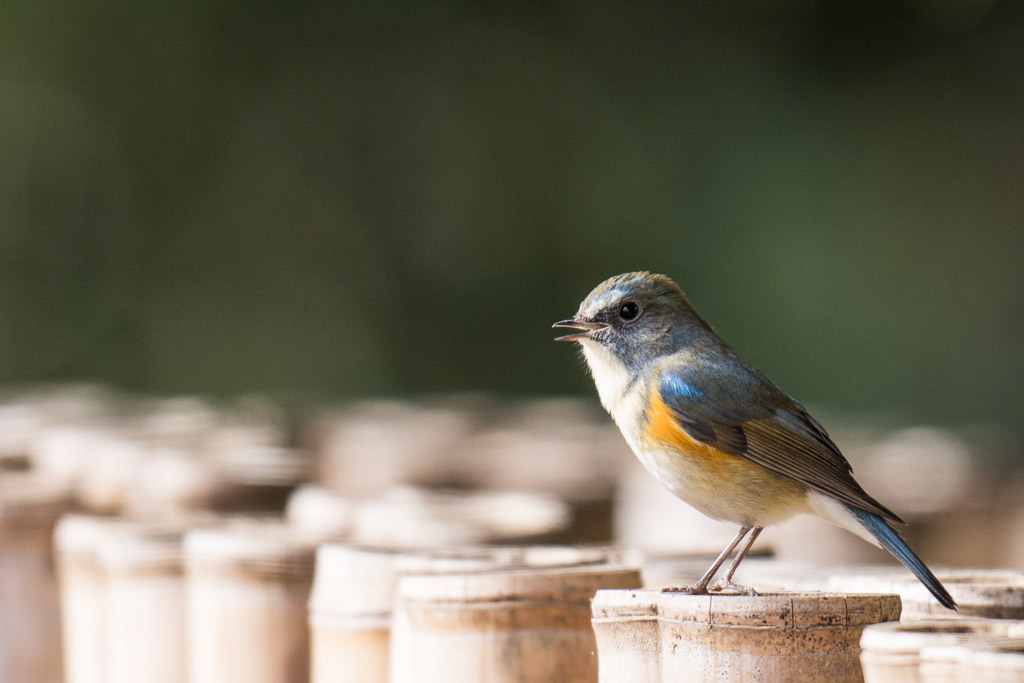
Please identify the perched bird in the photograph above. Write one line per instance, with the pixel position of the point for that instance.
(714, 430)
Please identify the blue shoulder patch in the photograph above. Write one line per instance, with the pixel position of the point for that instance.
(672, 385)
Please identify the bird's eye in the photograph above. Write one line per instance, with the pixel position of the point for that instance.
(629, 310)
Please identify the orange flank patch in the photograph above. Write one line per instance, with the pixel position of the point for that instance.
(719, 484)
(663, 429)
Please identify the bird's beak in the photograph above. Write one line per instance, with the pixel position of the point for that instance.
(589, 329)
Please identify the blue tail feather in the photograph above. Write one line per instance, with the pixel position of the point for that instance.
(891, 541)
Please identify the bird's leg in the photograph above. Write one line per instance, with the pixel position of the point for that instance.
(725, 583)
(701, 587)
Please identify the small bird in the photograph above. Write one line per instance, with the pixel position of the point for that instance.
(715, 430)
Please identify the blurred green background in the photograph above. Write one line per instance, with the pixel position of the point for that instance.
(323, 200)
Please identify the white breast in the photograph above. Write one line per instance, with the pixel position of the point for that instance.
(620, 396)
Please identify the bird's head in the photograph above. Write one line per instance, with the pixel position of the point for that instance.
(634, 317)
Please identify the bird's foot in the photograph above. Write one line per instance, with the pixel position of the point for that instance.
(722, 585)
(694, 589)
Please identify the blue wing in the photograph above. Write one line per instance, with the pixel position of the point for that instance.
(723, 401)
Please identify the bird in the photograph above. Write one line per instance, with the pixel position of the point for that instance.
(715, 430)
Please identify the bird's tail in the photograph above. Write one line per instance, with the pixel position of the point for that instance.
(890, 539)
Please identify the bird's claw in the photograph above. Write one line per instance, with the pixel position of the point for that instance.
(717, 587)
(721, 586)
(694, 589)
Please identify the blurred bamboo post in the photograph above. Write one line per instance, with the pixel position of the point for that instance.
(355, 586)
(407, 517)
(350, 608)
(83, 595)
(256, 478)
(30, 649)
(409, 443)
(495, 627)
(940, 663)
(558, 446)
(122, 597)
(350, 615)
(988, 593)
(628, 638)
(996, 660)
(891, 652)
(247, 586)
(318, 512)
(145, 610)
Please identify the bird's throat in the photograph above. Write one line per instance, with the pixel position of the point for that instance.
(616, 383)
